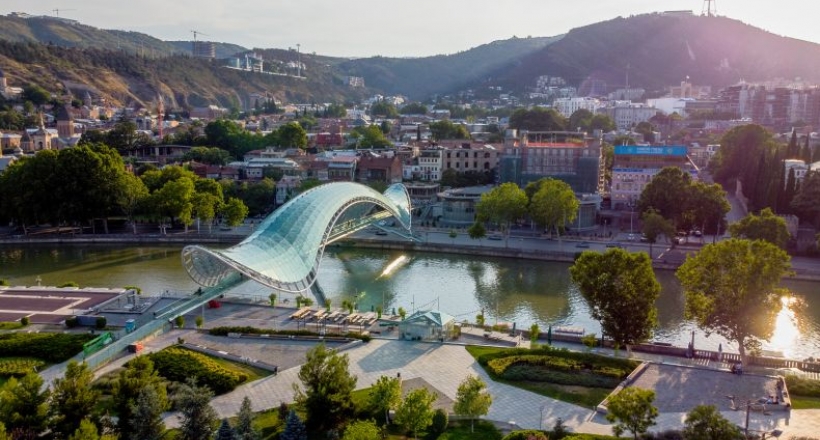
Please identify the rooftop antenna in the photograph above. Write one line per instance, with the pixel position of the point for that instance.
(709, 8)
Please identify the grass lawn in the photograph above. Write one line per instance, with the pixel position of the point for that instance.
(585, 396)
(799, 402)
(13, 325)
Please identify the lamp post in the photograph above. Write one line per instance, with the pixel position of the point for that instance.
(541, 416)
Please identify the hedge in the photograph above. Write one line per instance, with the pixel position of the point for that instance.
(19, 367)
(530, 373)
(801, 386)
(223, 331)
(178, 364)
(589, 360)
(50, 347)
(528, 434)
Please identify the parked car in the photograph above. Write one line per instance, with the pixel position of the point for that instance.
(494, 237)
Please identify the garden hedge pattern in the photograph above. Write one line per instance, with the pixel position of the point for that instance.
(50, 347)
(178, 364)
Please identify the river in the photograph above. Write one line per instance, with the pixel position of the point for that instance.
(514, 291)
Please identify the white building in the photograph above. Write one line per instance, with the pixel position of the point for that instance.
(670, 105)
(568, 106)
(626, 114)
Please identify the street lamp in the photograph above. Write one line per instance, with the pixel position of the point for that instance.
(541, 416)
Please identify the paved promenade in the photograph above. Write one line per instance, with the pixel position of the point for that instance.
(445, 366)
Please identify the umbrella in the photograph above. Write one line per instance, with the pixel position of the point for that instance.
(549, 335)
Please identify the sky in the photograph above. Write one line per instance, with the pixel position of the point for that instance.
(397, 28)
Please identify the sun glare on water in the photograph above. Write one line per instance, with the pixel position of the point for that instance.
(393, 265)
(785, 330)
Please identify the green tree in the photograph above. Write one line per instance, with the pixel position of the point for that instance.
(477, 231)
(3, 434)
(708, 206)
(294, 428)
(72, 399)
(326, 398)
(244, 422)
(235, 212)
(197, 418)
(24, 405)
(805, 201)
(654, 226)
(503, 205)
(383, 109)
(362, 430)
(767, 227)
(538, 119)
(440, 422)
(292, 135)
(371, 136)
(207, 155)
(728, 283)
(145, 415)
(175, 201)
(472, 399)
(647, 130)
(580, 119)
(335, 111)
(385, 395)
(621, 290)
(180, 321)
(415, 412)
(414, 108)
(553, 204)
(225, 431)
(535, 331)
(35, 94)
(132, 195)
(131, 383)
(668, 194)
(447, 130)
(86, 430)
(704, 422)
(633, 410)
(602, 122)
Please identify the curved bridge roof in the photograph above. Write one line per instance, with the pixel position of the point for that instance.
(286, 248)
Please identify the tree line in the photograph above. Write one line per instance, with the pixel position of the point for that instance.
(88, 184)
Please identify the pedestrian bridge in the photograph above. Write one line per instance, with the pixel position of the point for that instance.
(285, 250)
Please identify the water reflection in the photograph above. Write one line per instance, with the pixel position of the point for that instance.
(519, 291)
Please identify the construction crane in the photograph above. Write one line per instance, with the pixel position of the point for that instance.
(198, 33)
(57, 11)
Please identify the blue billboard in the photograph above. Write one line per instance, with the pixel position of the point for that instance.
(650, 151)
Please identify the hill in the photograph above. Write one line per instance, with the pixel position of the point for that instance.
(419, 78)
(662, 49)
(184, 82)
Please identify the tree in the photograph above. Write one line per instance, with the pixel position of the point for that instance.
(235, 212)
(704, 422)
(502, 205)
(132, 195)
(472, 399)
(385, 395)
(362, 430)
(35, 94)
(416, 411)
(327, 383)
(383, 109)
(199, 321)
(448, 130)
(131, 383)
(86, 430)
(179, 321)
(477, 231)
(292, 135)
(145, 416)
(633, 410)
(654, 226)
(294, 428)
(72, 399)
(580, 119)
(708, 206)
(440, 422)
(244, 422)
(225, 431)
(602, 122)
(668, 194)
(621, 290)
(553, 204)
(767, 227)
(805, 201)
(414, 108)
(24, 405)
(728, 283)
(3, 434)
(197, 418)
(538, 119)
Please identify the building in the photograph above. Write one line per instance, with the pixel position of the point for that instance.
(204, 49)
(626, 114)
(65, 122)
(469, 157)
(429, 325)
(572, 157)
(568, 106)
(686, 91)
(373, 168)
(457, 206)
(800, 169)
(634, 167)
(286, 188)
(429, 165)
(6, 91)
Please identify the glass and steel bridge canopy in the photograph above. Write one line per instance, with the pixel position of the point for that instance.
(285, 250)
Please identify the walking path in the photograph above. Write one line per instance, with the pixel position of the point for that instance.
(445, 366)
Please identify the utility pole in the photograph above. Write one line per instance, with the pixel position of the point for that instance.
(298, 60)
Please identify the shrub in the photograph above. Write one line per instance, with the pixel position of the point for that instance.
(440, 422)
(50, 347)
(24, 321)
(178, 364)
(800, 386)
(101, 322)
(590, 340)
(179, 321)
(19, 367)
(528, 434)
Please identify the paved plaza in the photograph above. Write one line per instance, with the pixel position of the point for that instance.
(443, 367)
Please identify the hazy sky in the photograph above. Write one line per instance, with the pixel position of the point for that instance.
(394, 27)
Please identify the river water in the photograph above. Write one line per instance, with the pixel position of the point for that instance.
(507, 290)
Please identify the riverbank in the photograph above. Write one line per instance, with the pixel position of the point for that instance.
(435, 241)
